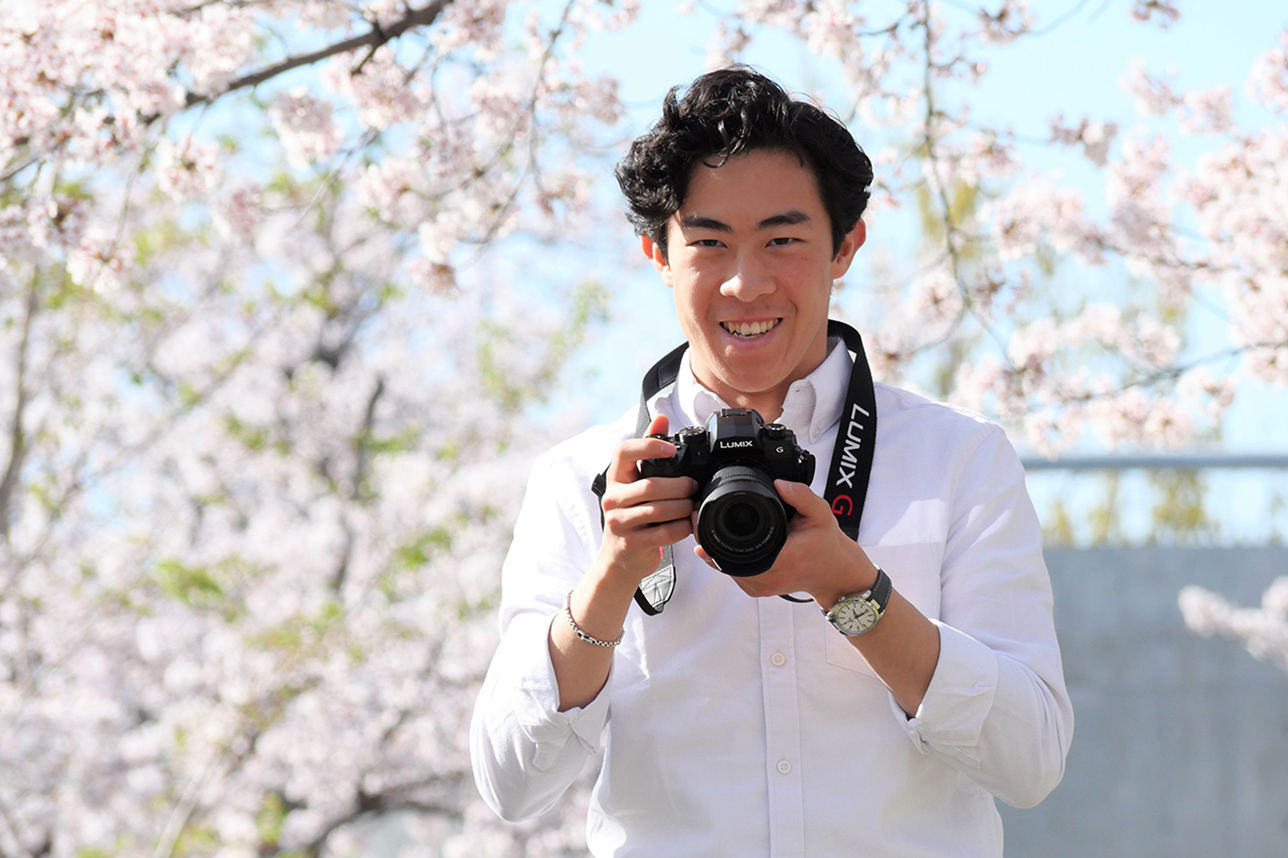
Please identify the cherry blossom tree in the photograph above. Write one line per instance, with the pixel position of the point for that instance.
(266, 410)
(268, 364)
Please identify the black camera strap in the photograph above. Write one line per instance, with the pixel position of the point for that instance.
(847, 479)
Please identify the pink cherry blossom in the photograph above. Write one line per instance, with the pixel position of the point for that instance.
(1263, 631)
(305, 125)
(267, 468)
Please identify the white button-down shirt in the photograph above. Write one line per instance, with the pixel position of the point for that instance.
(750, 727)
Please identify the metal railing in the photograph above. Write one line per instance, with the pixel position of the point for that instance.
(1162, 461)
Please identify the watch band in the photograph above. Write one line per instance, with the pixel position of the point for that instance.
(880, 592)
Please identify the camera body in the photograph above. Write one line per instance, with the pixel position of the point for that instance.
(735, 458)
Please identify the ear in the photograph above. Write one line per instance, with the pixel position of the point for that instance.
(849, 246)
(655, 255)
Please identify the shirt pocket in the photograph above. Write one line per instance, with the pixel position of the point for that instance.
(914, 572)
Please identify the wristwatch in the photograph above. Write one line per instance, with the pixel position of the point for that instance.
(857, 614)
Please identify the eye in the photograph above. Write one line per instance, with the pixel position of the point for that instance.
(782, 241)
(706, 242)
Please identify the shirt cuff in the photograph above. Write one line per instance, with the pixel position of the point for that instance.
(951, 715)
(548, 729)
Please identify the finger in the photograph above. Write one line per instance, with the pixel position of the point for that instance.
(705, 557)
(659, 425)
(648, 514)
(802, 499)
(624, 469)
(655, 536)
(649, 490)
(670, 533)
(624, 466)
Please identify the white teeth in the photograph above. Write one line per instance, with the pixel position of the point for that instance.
(750, 329)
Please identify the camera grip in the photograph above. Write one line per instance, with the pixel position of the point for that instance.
(672, 466)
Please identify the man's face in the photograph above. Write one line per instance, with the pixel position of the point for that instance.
(751, 267)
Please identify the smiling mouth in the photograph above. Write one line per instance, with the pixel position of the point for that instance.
(750, 329)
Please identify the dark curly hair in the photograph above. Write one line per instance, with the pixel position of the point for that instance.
(727, 113)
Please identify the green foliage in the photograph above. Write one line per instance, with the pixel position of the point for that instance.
(57, 291)
(469, 610)
(301, 634)
(449, 452)
(938, 216)
(1057, 527)
(270, 819)
(418, 552)
(404, 441)
(1104, 516)
(189, 584)
(514, 392)
(423, 547)
(197, 839)
(187, 395)
(1180, 515)
(254, 437)
(213, 588)
(1176, 498)
(162, 237)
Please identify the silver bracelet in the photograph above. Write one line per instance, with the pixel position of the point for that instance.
(567, 612)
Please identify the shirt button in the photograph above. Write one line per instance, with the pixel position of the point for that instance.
(784, 767)
(778, 659)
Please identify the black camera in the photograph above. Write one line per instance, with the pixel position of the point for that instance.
(742, 523)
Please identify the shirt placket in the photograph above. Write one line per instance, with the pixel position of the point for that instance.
(782, 729)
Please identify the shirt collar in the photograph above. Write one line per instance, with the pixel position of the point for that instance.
(813, 403)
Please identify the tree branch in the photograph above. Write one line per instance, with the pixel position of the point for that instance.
(17, 440)
(372, 39)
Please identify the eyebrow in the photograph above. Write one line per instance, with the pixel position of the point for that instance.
(787, 218)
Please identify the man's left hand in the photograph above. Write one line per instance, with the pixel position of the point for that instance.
(818, 558)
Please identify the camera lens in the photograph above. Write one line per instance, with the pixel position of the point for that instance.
(742, 524)
(739, 519)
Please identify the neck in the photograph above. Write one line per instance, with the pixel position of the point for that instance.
(769, 405)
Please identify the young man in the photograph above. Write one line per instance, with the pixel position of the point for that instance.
(755, 726)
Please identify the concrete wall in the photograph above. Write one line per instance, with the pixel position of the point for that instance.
(1181, 743)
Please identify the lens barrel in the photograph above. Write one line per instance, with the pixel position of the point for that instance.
(742, 523)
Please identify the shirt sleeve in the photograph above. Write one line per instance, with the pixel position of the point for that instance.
(997, 708)
(525, 753)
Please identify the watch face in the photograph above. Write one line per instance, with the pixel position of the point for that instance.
(854, 616)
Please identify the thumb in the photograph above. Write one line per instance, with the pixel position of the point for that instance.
(802, 498)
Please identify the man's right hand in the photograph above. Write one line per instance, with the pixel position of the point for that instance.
(643, 514)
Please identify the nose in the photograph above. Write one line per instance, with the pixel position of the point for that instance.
(749, 280)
